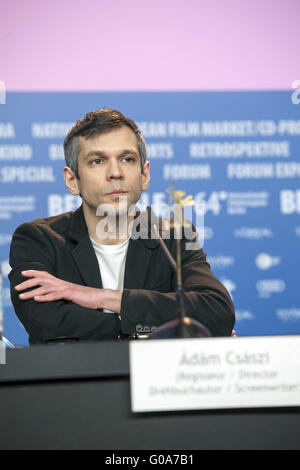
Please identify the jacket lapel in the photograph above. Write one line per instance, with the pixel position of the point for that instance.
(83, 252)
(139, 253)
(137, 262)
(87, 263)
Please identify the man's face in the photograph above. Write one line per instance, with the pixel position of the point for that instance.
(109, 168)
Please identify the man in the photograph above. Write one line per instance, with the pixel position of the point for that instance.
(71, 280)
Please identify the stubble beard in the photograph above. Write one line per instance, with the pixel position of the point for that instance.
(115, 219)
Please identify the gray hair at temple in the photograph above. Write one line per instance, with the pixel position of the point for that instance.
(96, 123)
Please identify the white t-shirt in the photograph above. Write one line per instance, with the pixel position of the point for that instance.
(111, 259)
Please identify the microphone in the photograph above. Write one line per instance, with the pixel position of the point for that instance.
(183, 326)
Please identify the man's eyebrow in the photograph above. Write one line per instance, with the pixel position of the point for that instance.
(100, 153)
(131, 151)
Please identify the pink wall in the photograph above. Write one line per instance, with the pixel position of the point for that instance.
(83, 45)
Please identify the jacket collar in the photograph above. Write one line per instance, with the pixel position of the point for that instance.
(141, 246)
(78, 228)
(83, 251)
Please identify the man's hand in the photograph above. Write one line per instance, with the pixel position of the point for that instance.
(50, 288)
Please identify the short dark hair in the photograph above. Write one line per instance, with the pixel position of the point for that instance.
(95, 123)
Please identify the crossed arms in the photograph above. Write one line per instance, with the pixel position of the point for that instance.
(55, 296)
(48, 288)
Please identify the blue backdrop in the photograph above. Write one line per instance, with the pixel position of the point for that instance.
(236, 153)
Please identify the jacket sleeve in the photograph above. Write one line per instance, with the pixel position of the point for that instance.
(44, 322)
(206, 299)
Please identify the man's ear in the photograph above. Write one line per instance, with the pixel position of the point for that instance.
(146, 176)
(71, 181)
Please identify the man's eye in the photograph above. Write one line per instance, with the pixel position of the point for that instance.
(128, 159)
(96, 161)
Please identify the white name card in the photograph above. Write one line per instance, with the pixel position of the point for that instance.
(214, 373)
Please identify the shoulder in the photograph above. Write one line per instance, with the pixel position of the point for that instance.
(44, 228)
(40, 238)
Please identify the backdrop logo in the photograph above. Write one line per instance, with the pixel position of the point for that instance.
(290, 201)
(253, 233)
(288, 314)
(59, 203)
(267, 287)
(242, 315)
(220, 261)
(265, 261)
(2, 92)
(295, 98)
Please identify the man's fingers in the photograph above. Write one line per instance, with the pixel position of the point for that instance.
(48, 297)
(33, 293)
(27, 284)
(37, 278)
(34, 273)
(42, 295)
(46, 288)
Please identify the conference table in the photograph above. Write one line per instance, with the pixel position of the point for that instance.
(77, 396)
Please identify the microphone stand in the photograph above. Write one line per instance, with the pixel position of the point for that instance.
(183, 326)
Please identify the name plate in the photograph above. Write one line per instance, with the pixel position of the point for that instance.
(214, 373)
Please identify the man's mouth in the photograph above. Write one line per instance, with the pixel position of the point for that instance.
(117, 192)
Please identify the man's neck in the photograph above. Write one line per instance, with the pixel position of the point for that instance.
(107, 230)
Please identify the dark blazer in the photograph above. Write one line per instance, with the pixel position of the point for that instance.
(61, 246)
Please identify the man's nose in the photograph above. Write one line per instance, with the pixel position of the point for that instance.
(114, 170)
